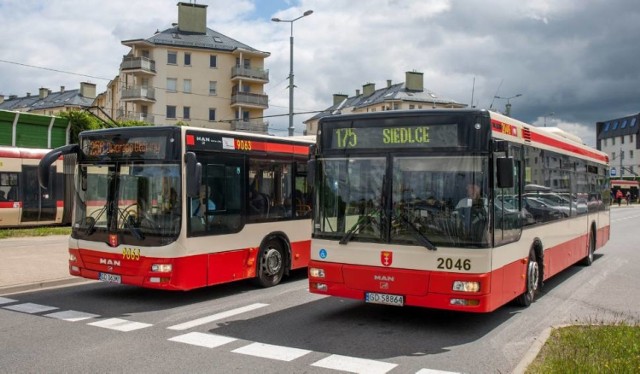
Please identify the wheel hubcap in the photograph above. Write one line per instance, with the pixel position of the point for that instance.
(272, 261)
(532, 276)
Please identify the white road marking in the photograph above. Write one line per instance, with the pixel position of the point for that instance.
(202, 339)
(431, 371)
(354, 364)
(30, 308)
(71, 315)
(274, 352)
(216, 317)
(120, 324)
(4, 300)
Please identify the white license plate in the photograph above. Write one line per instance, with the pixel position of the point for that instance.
(111, 278)
(383, 298)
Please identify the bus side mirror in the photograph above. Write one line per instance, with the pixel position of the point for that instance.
(505, 172)
(45, 163)
(194, 174)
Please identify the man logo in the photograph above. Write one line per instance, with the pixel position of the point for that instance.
(107, 261)
(386, 258)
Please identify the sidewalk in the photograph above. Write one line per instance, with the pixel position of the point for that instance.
(34, 262)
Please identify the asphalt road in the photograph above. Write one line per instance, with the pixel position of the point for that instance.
(96, 327)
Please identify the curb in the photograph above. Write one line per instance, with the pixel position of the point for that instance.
(19, 288)
(537, 345)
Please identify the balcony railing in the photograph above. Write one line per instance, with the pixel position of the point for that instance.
(136, 117)
(242, 72)
(250, 99)
(139, 93)
(138, 63)
(255, 126)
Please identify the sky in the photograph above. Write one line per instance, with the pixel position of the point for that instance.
(574, 62)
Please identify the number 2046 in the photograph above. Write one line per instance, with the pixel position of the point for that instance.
(453, 264)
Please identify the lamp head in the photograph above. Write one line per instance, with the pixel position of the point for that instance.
(308, 12)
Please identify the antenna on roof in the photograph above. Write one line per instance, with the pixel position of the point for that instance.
(473, 88)
(494, 96)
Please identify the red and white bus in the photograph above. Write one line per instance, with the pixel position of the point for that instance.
(22, 201)
(453, 209)
(178, 208)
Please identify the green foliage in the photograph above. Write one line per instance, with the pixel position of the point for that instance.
(590, 349)
(36, 231)
(80, 121)
(133, 123)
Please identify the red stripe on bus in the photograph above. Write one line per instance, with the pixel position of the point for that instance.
(59, 203)
(279, 148)
(567, 146)
(10, 204)
(22, 152)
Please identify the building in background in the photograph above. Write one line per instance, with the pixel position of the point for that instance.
(408, 95)
(190, 74)
(619, 139)
(50, 103)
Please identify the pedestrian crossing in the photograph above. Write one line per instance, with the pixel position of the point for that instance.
(210, 340)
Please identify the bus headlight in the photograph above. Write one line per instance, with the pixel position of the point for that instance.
(316, 272)
(466, 286)
(161, 268)
(72, 257)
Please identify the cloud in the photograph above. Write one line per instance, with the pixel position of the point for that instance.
(575, 58)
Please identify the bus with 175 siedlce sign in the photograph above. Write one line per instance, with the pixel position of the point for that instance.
(178, 208)
(444, 209)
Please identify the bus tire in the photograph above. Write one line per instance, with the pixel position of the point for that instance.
(588, 260)
(532, 281)
(271, 264)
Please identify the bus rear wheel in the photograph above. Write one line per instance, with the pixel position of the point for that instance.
(532, 281)
(587, 261)
(271, 264)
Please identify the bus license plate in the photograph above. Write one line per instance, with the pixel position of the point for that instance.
(111, 278)
(383, 298)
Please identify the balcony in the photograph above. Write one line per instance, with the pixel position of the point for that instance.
(138, 65)
(254, 126)
(254, 75)
(250, 100)
(142, 94)
(142, 117)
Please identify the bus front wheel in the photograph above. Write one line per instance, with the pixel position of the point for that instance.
(591, 247)
(532, 280)
(271, 264)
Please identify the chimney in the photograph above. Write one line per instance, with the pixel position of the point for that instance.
(338, 98)
(414, 81)
(44, 92)
(28, 94)
(61, 89)
(357, 93)
(192, 18)
(368, 89)
(388, 83)
(88, 90)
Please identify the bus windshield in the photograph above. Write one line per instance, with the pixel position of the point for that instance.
(140, 202)
(419, 200)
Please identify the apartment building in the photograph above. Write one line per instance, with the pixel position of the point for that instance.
(409, 94)
(619, 139)
(190, 74)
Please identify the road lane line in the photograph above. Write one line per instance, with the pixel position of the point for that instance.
(274, 352)
(431, 371)
(4, 300)
(72, 315)
(30, 308)
(354, 364)
(202, 339)
(120, 324)
(216, 317)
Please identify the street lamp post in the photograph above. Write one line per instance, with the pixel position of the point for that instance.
(545, 118)
(507, 107)
(291, 21)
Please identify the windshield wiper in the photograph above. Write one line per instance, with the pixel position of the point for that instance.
(92, 221)
(349, 234)
(422, 239)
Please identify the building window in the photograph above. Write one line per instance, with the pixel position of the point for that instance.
(411, 106)
(613, 141)
(213, 61)
(604, 142)
(172, 58)
(171, 111)
(212, 114)
(187, 59)
(186, 86)
(631, 138)
(172, 84)
(213, 88)
(631, 154)
(186, 112)
(622, 139)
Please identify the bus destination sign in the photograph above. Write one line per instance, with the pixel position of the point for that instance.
(117, 148)
(414, 136)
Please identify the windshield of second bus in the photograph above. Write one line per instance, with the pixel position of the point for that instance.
(432, 200)
(140, 201)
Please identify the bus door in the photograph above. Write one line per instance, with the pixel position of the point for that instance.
(37, 204)
(508, 213)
